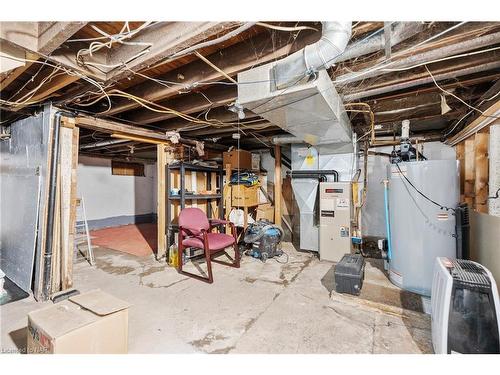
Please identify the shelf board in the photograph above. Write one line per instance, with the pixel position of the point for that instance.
(195, 168)
(196, 196)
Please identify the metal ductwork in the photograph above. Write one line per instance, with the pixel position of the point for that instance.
(311, 109)
(317, 56)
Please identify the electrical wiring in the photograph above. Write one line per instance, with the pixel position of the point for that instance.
(200, 56)
(112, 39)
(67, 71)
(221, 39)
(492, 197)
(162, 109)
(385, 63)
(285, 28)
(372, 116)
(468, 113)
(456, 97)
(104, 37)
(32, 79)
(442, 207)
(439, 60)
(117, 65)
(26, 97)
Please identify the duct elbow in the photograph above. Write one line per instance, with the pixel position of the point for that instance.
(295, 68)
(333, 42)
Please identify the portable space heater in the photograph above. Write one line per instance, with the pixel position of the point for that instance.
(465, 308)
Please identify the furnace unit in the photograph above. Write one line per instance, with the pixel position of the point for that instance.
(334, 220)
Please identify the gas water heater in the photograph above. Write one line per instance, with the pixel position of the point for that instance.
(420, 230)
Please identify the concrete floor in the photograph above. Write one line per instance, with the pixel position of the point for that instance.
(259, 308)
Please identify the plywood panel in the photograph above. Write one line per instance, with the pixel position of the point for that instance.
(470, 174)
(481, 171)
(460, 151)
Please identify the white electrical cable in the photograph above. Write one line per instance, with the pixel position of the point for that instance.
(385, 63)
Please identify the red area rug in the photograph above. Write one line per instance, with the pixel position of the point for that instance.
(135, 239)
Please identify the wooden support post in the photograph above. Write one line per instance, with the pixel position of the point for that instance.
(69, 164)
(161, 200)
(226, 196)
(481, 168)
(470, 174)
(460, 152)
(277, 184)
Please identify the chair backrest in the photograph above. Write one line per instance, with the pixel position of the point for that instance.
(193, 219)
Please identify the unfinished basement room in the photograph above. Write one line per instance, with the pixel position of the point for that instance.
(250, 187)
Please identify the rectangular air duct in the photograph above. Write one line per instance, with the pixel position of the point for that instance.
(311, 111)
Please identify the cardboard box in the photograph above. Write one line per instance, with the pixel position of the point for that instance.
(89, 323)
(265, 211)
(239, 159)
(243, 196)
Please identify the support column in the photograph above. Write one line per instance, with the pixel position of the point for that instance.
(162, 200)
(277, 184)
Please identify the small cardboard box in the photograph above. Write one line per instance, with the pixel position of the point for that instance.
(89, 323)
(239, 159)
(265, 211)
(244, 196)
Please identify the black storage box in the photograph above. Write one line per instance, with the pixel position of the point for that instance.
(349, 274)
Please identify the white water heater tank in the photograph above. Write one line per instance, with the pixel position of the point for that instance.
(421, 230)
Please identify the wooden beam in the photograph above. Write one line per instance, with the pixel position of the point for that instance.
(161, 163)
(481, 171)
(277, 184)
(52, 34)
(221, 114)
(484, 120)
(38, 37)
(112, 127)
(470, 173)
(69, 163)
(21, 34)
(232, 60)
(165, 38)
(368, 90)
(133, 132)
(50, 87)
(189, 103)
(11, 76)
(460, 152)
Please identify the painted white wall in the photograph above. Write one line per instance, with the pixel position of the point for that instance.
(108, 196)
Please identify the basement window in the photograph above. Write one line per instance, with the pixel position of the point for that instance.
(119, 168)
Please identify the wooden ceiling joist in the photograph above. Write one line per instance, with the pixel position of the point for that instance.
(189, 104)
(232, 60)
(165, 39)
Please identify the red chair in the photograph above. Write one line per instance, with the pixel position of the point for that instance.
(195, 230)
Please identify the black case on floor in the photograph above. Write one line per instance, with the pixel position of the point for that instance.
(349, 274)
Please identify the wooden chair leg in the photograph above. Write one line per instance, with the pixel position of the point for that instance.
(209, 265)
(234, 262)
(209, 279)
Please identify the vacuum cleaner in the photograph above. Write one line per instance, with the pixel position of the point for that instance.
(262, 240)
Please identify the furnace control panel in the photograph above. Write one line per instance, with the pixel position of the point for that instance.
(335, 220)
